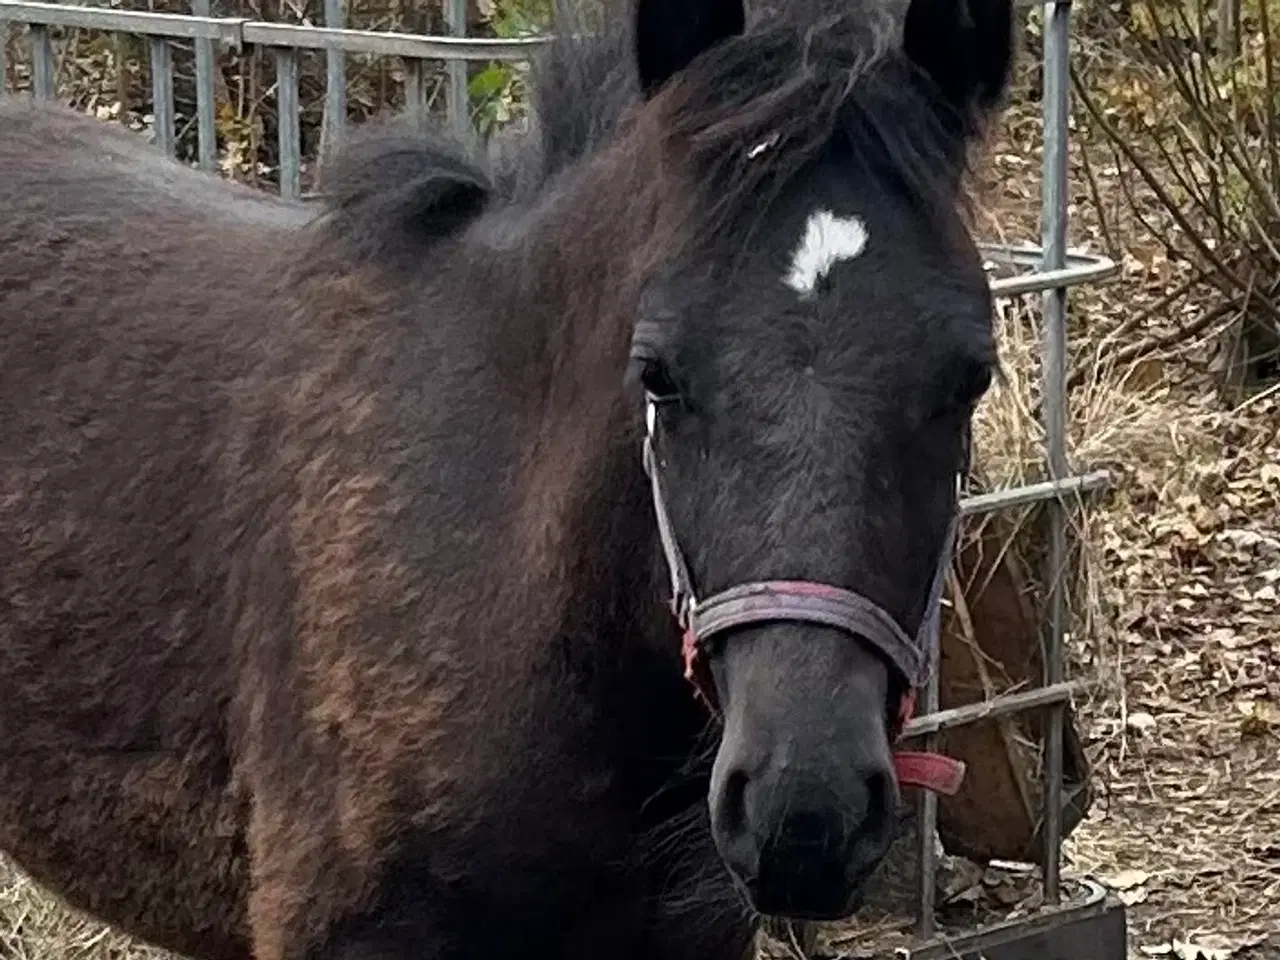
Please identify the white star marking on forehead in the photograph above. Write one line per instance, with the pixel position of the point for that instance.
(827, 240)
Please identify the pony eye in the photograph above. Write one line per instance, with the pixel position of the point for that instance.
(966, 390)
(975, 384)
(657, 380)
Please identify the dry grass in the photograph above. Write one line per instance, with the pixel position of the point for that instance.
(1176, 610)
(35, 926)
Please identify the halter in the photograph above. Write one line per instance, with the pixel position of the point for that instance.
(806, 602)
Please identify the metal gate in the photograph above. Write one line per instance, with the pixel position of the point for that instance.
(1092, 930)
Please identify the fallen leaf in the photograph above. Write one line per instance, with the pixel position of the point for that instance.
(1260, 718)
(1141, 722)
(1127, 879)
(1189, 950)
(1133, 897)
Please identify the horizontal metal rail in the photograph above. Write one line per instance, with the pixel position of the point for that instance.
(386, 43)
(1078, 485)
(236, 32)
(1080, 268)
(1001, 705)
(176, 26)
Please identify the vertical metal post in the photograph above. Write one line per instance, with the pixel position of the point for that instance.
(206, 95)
(415, 92)
(162, 132)
(457, 99)
(42, 80)
(290, 134)
(927, 805)
(1054, 238)
(4, 56)
(335, 93)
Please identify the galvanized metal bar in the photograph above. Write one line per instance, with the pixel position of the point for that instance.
(387, 43)
(1054, 242)
(290, 135)
(42, 63)
(4, 56)
(1003, 705)
(206, 95)
(174, 25)
(1031, 255)
(415, 91)
(1022, 936)
(162, 125)
(234, 31)
(1079, 268)
(927, 805)
(335, 89)
(1078, 485)
(457, 97)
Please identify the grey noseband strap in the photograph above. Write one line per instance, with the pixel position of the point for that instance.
(828, 606)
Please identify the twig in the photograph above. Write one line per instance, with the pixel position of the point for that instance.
(1135, 320)
(1171, 207)
(1258, 397)
(1144, 347)
(1113, 248)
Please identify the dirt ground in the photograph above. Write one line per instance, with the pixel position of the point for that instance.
(1186, 826)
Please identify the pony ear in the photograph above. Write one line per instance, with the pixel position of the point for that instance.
(669, 34)
(967, 48)
(389, 188)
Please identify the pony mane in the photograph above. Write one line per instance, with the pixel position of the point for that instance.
(393, 187)
(583, 84)
(753, 112)
(743, 119)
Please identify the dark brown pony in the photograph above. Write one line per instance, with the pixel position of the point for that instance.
(333, 613)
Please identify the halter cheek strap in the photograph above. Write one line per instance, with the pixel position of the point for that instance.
(805, 601)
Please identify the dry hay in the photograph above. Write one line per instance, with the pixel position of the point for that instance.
(35, 926)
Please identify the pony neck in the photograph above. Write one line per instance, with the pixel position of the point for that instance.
(571, 259)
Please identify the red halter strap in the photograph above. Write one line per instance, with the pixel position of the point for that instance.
(807, 602)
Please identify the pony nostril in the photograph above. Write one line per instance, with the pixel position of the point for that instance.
(733, 803)
(807, 830)
(732, 825)
(881, 798)
(877, 826)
